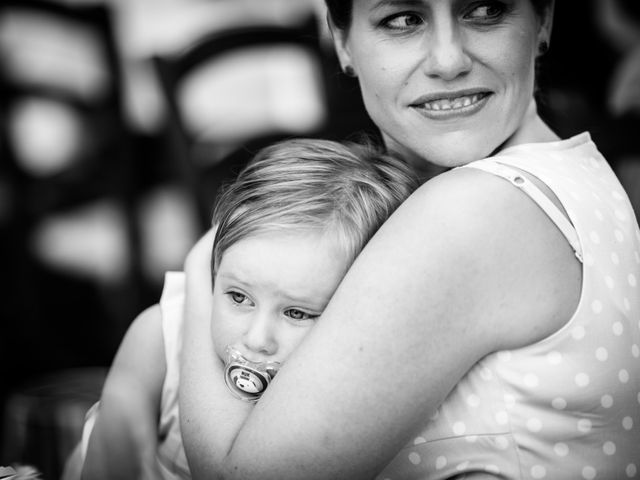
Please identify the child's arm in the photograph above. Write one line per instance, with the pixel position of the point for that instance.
(124, 438)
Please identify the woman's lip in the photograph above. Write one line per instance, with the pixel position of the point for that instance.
(451, 106)
(448, 96)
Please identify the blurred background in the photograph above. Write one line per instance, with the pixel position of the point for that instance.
(119, 120)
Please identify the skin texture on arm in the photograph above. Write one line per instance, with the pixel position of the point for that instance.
(220, 412)
(124, 438)
(459, 271)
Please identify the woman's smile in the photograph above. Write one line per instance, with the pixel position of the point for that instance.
(445, 105)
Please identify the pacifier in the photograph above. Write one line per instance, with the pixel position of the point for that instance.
(245, 379)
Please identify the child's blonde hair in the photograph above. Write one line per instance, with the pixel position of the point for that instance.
(344, 189)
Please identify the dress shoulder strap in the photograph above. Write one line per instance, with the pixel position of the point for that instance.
(529, 188)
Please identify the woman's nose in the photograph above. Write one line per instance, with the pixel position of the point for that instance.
(445, 52)
(260, 336)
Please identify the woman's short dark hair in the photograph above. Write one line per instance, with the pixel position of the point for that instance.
(340, 11)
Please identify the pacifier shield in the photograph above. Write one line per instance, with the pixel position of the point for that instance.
(245, 379)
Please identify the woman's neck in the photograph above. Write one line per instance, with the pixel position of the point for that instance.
(532, 130)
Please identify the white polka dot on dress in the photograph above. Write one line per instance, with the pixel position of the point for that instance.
(599, 214)
(615, 258)
(595, 238)
(441, 462)
(602, 354)
(623, 376)
(619, 236)
(632, 280)
(609, 282)
(584, 425)
(561, 449)
(504, 356)
(459, 428)
(554, 358)
(486, 374)
(531, 380)
(559, 403)
(538, 471)
(578, 332)
(534, 425)
(609, 448)
(596, 306)
(618, 329)
(589, 472)
(509, 400)
(502, 418)
(501, 442)
(606, 401)
(582, 379)
(627, 423)
(492, 469)
(473, 400)
(631, 470)
(415, 458)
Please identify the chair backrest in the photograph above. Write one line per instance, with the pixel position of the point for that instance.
(64, 150)
(234, 91)
(63, 132)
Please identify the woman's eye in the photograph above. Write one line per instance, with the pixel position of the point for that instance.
(487, 11)
(237, 297)
(299, 315)
(402, 21)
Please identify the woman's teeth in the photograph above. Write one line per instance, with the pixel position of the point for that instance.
(452, 104)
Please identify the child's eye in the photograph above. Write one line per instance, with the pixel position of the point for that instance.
(237, 297)
(402, 21)
(299, 315)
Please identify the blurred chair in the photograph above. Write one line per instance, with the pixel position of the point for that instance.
(68, 233)
(235, 91)
(65, 144)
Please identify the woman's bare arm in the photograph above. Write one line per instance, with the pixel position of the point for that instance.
(456, 273)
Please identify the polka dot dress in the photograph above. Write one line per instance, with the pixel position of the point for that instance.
(567, 407)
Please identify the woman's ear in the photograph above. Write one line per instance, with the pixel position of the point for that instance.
(546, 26)
(340, 36)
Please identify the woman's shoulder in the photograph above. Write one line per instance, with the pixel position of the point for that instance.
(488, 227)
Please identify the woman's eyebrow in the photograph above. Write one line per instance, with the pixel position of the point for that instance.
(396, 3)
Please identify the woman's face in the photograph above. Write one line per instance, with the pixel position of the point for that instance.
(448, 81)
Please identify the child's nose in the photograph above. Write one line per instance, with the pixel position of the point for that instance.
(260, 335)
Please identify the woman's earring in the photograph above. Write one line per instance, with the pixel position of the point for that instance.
(349, 71)
(543, 47)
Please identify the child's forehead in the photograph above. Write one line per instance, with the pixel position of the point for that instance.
(295, 261)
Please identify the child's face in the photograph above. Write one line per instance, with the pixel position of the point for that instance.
(269, 291)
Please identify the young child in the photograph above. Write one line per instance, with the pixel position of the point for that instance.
(287, 231)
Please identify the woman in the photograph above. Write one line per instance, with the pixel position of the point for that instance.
(489, 329)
